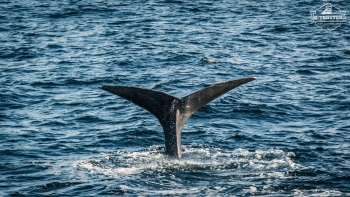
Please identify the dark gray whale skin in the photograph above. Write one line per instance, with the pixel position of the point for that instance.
(173, 112)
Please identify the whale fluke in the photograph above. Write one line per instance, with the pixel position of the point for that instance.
(172, 112)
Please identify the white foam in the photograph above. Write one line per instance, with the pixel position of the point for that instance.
(318, 192)
(267, 163)
(210, 60)
(253, 189)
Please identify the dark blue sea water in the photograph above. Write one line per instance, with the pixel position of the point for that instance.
(285, 134)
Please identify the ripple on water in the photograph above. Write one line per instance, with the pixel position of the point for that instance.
(283, 134)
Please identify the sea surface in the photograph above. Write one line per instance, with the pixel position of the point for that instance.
(285, 134)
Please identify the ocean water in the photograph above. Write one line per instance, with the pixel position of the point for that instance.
(285, 134)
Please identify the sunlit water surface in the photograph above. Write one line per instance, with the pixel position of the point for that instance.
(285, 134)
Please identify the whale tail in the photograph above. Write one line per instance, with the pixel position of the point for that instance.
(172, 112)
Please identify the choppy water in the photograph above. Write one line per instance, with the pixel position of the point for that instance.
(285, 134)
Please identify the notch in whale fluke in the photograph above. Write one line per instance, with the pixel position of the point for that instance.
(172, 112)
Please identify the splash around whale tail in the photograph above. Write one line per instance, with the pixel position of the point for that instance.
(172, 112)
